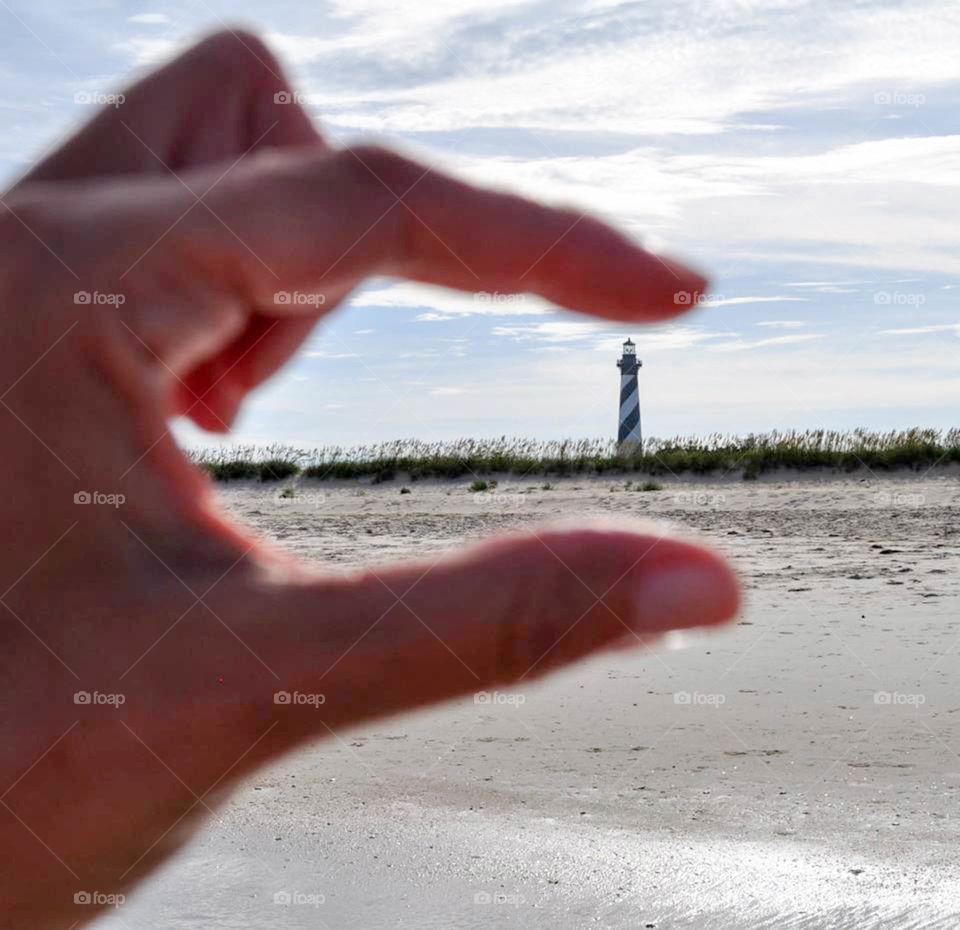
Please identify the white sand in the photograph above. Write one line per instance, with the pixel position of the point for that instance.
(783, 794)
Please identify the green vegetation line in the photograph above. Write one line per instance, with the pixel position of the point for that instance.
(715, 456)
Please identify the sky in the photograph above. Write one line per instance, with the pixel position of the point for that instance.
(807, 155)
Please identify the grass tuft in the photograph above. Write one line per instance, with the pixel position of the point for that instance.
(717, 455)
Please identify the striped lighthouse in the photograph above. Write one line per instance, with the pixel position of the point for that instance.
(629, 366)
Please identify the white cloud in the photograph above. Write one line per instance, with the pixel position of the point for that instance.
(740, 345)
(320, 353)
(923, 330)
(447, 304)
(782, 324)
(554, 331)
(822, 284)
(149, 19)
(734, 301)
(597, 336)
(556, 72)
(142, 50)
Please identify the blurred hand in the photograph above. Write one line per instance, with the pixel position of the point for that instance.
(181, 214)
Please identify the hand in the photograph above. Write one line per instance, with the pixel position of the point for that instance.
(182, 212)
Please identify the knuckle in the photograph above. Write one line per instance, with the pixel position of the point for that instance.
(236, 52)
(383, 176)
(381, 165)
(32, 241)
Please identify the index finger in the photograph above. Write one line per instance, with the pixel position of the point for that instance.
(317, 220)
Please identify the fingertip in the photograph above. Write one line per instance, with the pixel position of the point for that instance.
(217, 407)
(656, 583)
(615, 277)
(701, 589)
(676, 289)
(690, 277)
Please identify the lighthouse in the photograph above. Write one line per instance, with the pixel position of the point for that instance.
(629, 366)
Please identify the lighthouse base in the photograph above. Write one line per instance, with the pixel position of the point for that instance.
(630, 448)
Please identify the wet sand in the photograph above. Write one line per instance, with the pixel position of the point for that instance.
(798, 769)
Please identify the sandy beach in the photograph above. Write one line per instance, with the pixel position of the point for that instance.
(799, 768)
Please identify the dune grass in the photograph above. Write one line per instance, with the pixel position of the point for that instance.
(715, 455)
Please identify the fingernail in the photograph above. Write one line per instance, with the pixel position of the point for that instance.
(703, 594)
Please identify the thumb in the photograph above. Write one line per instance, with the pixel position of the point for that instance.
(389, 640)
